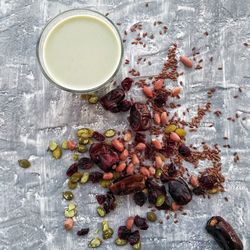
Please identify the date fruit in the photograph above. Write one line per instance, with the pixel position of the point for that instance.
(224, 234)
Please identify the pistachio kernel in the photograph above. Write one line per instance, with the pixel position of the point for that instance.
(101, 212)
(105, 225)
(110, 133)
(71, 206)
(93, 99)
(160, 200)
(83, 141)
(57, 153)
(69, 213)
(84, 133)
(52, 146)
(170, 128)
(65, 145)
(181, 132)
(94, 243)
(137, 246)
(82, 148)
(120, 242)
(213, 190)
(151, 216)
(72, 185)
(75, 157)
(107, 234)
(76, 177)
(105, 183)
(85, 178)
(24, 163)
(68, 195)
(158, 173)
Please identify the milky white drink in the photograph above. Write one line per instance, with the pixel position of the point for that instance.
(81, 52)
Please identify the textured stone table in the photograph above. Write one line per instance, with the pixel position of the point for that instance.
(33, 112)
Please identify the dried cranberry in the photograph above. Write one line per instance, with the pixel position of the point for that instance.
(109, 204)
(139, 137)
(103, 155)
(180, 191)
(127, 83)
(85, 163)
(112, 99)
(139, 117)
(172, 171)
(98, 136)
(140, 222)
(95, 176)
(124, 105)
(83, 232)
(72, 169)
(134, 237)
(100, 198)
(161, 99)
(123, 232)
(184, 150)
(207, 181)
(140, 198)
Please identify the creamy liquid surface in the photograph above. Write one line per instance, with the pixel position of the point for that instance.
(81, 52)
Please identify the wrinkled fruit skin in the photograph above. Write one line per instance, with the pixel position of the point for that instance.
(139, 117)
(103, 155)
(112, 99)
(95, 176)
(123, 232)
(128, 185)
(180, 191)
(85, 163)
(124, 105)
(134, 237)
(127, 83)
(140, 222)
(184, 151)
(83, 232)
(109, 203)
(72, 169)
(224, 234)
(140, 198)
(161, 99)
(98, 136)
(207, 181)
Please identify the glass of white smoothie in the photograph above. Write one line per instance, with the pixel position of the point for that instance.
(80, 51)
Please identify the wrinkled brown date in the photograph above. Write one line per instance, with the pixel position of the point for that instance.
(103, 155)
(128, 185)
(139, 117)
(223, 233)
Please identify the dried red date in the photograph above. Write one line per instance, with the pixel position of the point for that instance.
(124, 105)
(223, 233)
(103, 155)
(161, 99)
(127, 83)
(139, 117)
(112, 100)
(128, 185)
(180, 191)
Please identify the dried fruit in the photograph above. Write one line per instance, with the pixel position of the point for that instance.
(120, 242)
(98, 136)
(207, 181)
(101, 212)
(94, 243)
(157, 118)
(151, 216)
(95, 176)
(52, 146)
(164, 118)
(110, 133)
(85, 163)
(157, 144)
(120, 167)
(160, 99)
(127, 137)
(68, 224)
(141, 222)
(83, 231)
(68, 195)
(148, 92)
(140, 198)
(103, 155)
(184, 150)
(130, 222)
(180, 191)
(134, 237)
(107, 176)
(112, 100)
(127, 83)
(123, 232)
(23, 163)
(140, 146)
(174, 137)
(127, 185)
(72, 169)
(186, 61)
(124, 105)
(223, 233)
(117, 145)
(85, 178)
(176, 91)
(124, 155)
(71, 145)
(158, 84)
(139, 117)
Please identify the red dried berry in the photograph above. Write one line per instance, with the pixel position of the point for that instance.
(95, 176)
(140, 222)
(134, 237)
(72, 169)
(127, 83)
(85, 163)
(83, 232)
(98, 136)
(123, 232)
(160, 99)
(140, 198)
(207, 181)
(139, 137)
(101, 198)
(124, 105)
(184, 150)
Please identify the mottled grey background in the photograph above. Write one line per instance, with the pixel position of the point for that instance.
(32, 112)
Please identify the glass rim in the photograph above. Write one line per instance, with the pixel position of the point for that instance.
(40, 57)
